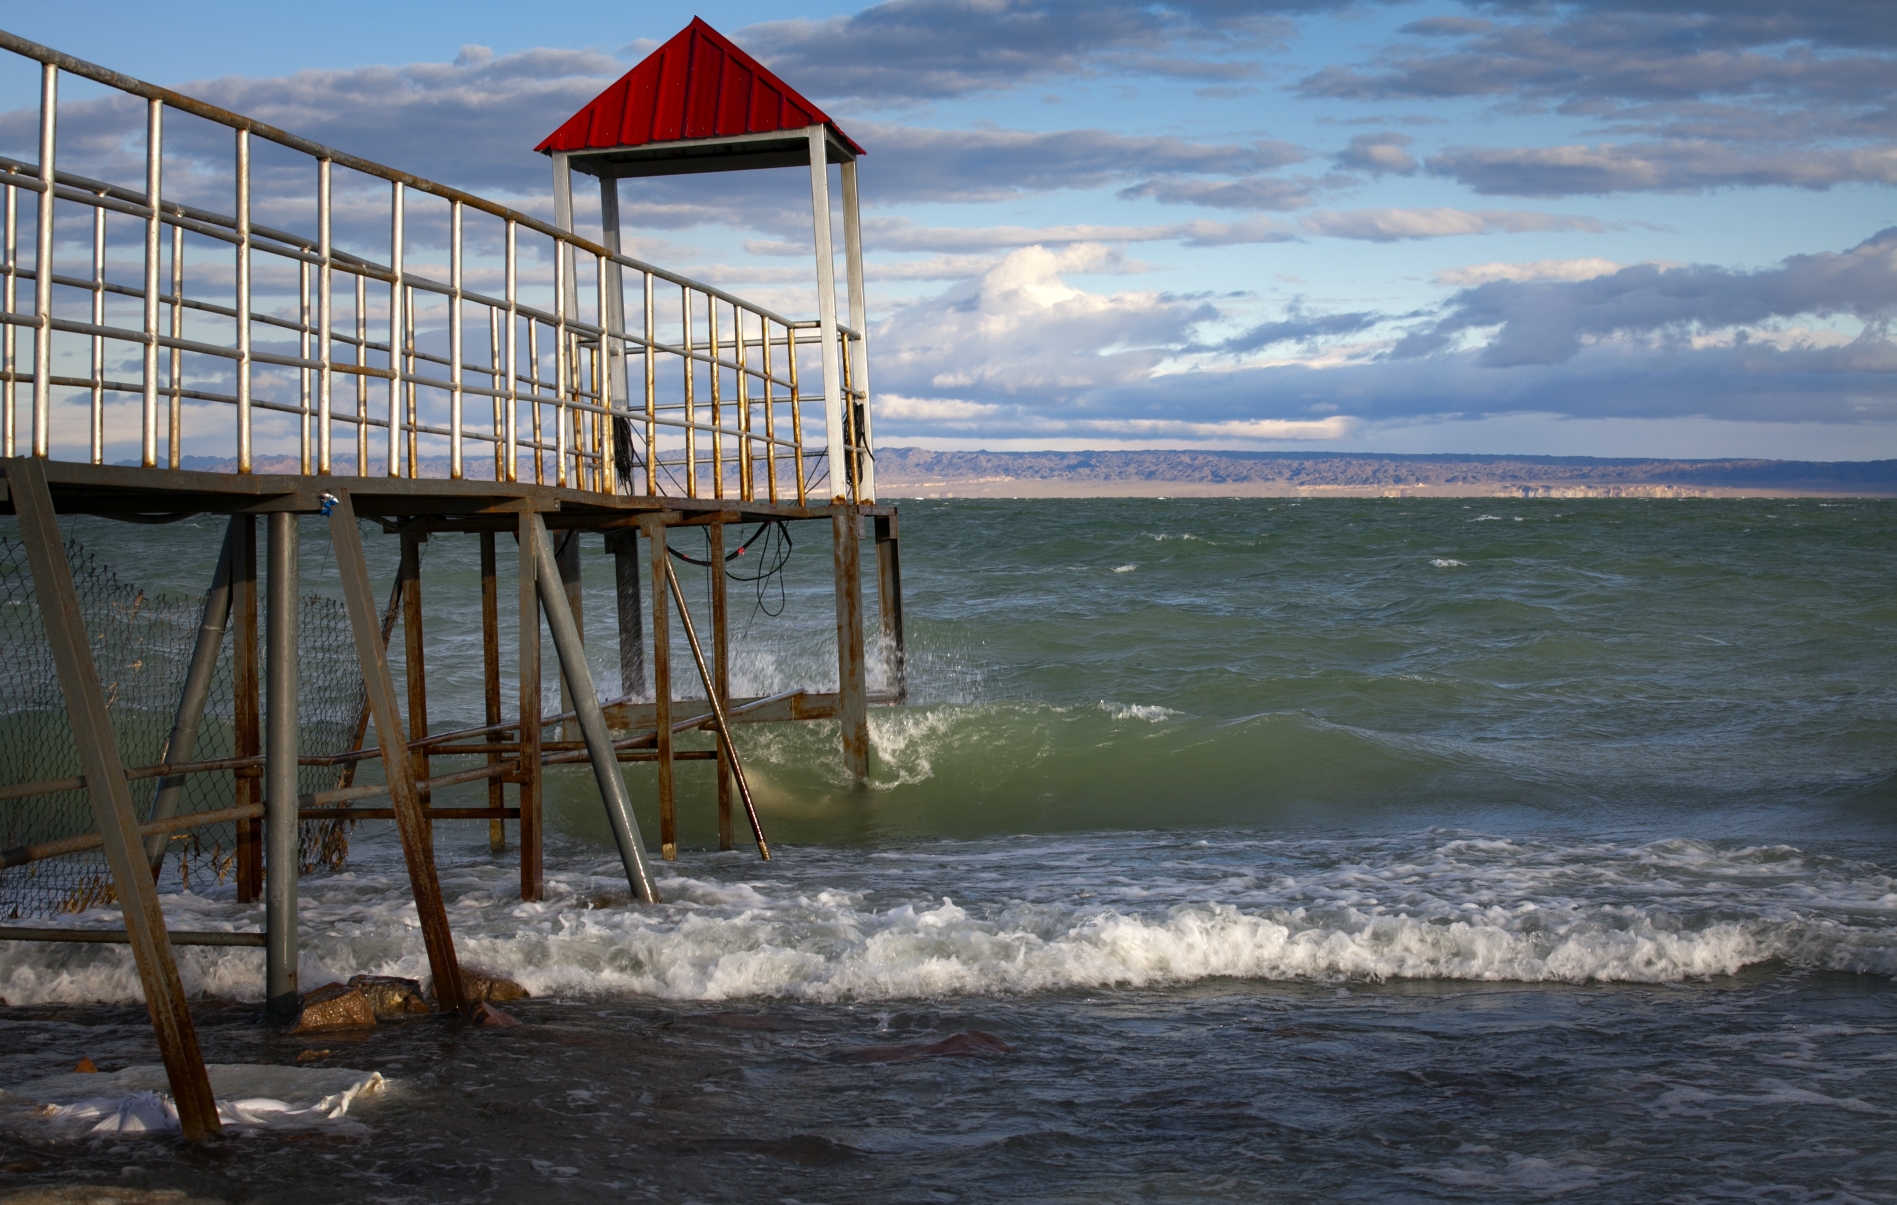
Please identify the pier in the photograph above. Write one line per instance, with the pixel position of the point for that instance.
(311, 338)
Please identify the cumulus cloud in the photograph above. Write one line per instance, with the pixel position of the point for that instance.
(1540, 269)
(1547, 322)
(1379, 154)
(1020, 329)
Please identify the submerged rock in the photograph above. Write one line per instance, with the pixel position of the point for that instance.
(390, 996)
(972, 1042)
(334, 1006)
(484, 986)
(484, 1013)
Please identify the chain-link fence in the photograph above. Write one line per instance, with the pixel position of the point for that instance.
(142, 646)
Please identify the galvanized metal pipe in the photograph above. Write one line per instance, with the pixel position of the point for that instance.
(243, 301)
(280, 785)
(454, 340)
(154, 169)
(43, 264)
(859, 320)
(324, 319)
(183, 739)
(599, 741)
(396, 338)
(513, 365)
(827, 309)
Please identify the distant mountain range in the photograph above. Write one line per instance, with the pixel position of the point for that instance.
(919, 473)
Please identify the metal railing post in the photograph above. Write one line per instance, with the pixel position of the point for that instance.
(243, 301)
(827, 311)
(397, 338)
(325, 251)
(454, 340)
(154, 168)
(43, 265)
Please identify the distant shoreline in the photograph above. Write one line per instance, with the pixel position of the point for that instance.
(920, 473)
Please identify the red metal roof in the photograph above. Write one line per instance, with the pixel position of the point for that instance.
(698, 85)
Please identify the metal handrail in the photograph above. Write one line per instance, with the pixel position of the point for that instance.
(587, 383)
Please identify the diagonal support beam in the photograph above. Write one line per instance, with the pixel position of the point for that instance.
(111, 797)
(197, 688)
(592, 719)
(418, 842)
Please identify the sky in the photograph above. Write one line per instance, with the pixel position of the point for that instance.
(1605, 228)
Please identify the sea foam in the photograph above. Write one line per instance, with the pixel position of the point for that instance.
(1035, 915)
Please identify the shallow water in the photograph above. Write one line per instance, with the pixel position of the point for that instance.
(1367, 849)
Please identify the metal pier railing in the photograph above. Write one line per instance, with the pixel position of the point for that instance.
(477, 342)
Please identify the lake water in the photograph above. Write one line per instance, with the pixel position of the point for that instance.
(1474, 850)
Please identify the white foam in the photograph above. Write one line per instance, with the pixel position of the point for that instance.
(1445, 563)
(135, 1100)
(1124, 568)
(1152, 713)
(1044, 914)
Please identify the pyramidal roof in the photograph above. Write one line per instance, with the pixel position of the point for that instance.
(698, 85)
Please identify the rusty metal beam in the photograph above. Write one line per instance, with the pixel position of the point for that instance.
(111, 797)
(654, 528)
(591, 721)
(491, 678)
(532, 876)
(852, 686)
(418, 847)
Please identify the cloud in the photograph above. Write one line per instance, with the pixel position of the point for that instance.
(909, 163)
(1389, 225)
(1561, 171)
(1540, 269)
(1298, 327)
(930, 49)
(1021, 353)
(1548, 322)
(1379, 154)
(1020, 330)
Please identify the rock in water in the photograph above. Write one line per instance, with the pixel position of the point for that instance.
(85, 1066)
(486, 1014)
(972, 1042)
(333, 1006)
(390, 997)
(483, 986)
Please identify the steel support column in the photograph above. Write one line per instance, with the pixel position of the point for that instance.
(624, 546)
(532, 881)
(852, 687)
(280, 787)
(592, 720)
(889, 604)
(654, 528)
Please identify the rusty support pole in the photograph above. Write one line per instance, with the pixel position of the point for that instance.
(721, 673)
(654, 528)
(389, 616)
(852, 688)
(567, 556)
(532, 879)
(491, 681)
(624, 545)
(280, 778)
(591, 718)
(414, 667)
(111, 796)
(718, 714)
(191, 699)
(889, 605)
(247, 787)
(418, 843)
